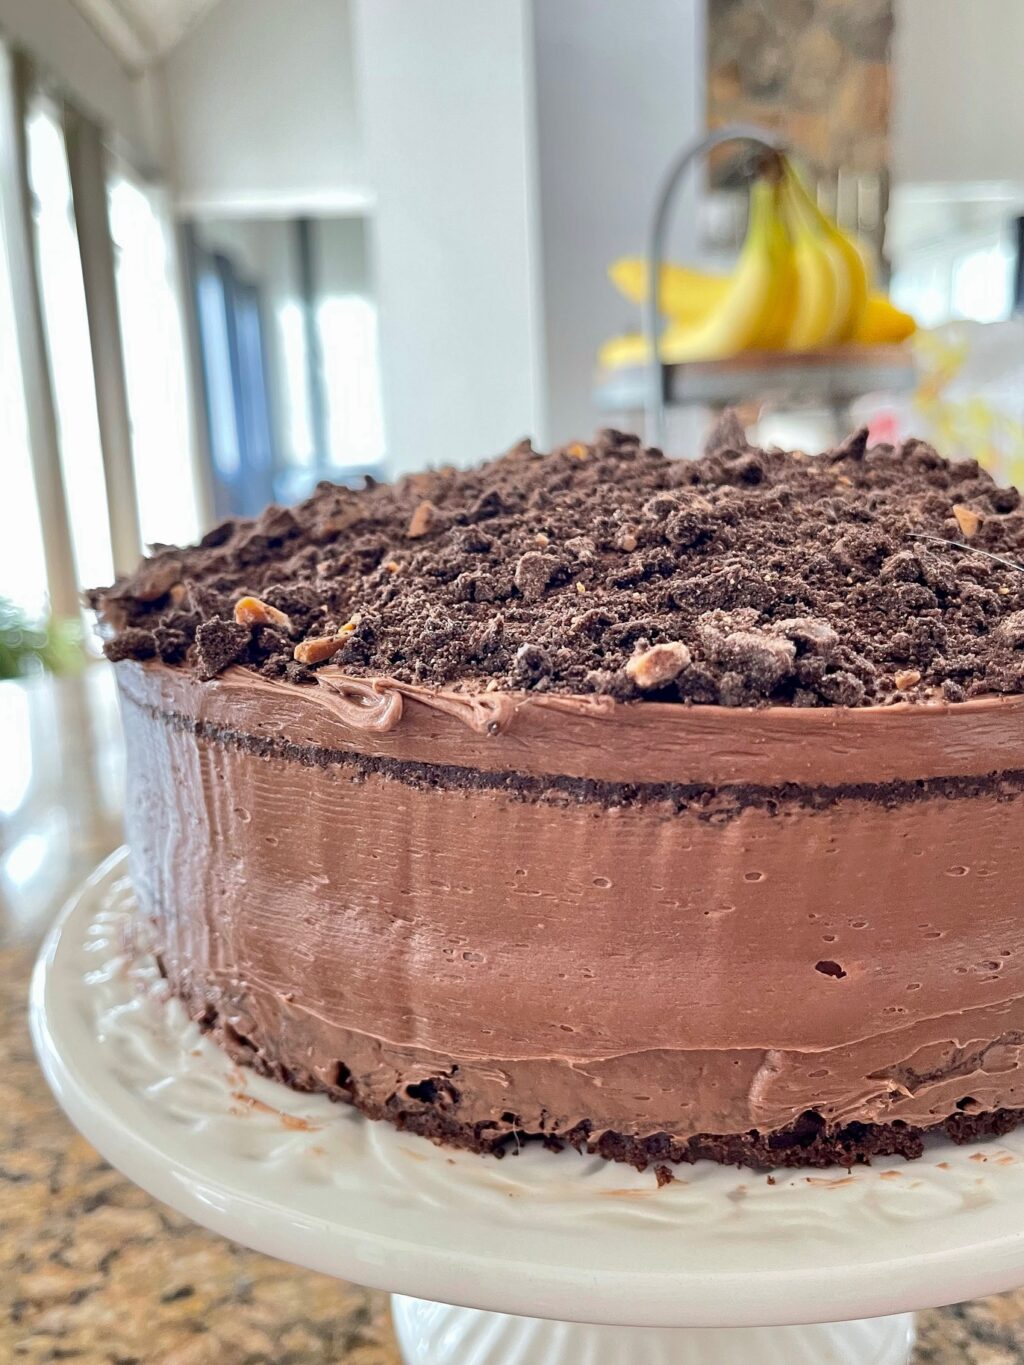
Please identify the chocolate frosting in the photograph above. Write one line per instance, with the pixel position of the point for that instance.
(850, 941)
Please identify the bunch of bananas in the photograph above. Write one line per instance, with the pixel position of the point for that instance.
(800, 283)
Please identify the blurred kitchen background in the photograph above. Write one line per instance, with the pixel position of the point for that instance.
(249, 244)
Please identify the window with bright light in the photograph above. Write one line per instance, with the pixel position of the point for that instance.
(22, 566)
(155, 367)
(302, 286)
(298, 447)
(348, 342)
(954, 252)
(67, 337)
(982, 284)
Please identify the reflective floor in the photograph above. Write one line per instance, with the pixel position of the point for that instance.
(60, 792)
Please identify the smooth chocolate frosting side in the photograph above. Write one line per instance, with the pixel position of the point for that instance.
(641, 966)
(596, 737)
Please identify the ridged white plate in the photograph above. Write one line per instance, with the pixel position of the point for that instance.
(539, 1234)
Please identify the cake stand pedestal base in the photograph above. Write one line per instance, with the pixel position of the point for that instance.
(437, 1334)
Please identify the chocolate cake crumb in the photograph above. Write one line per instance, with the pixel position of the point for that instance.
(860, 576)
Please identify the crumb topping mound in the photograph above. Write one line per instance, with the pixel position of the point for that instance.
(859, 576)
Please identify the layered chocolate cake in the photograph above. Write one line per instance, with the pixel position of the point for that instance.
(671, 809)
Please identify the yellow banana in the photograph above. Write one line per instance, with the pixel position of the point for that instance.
(622, 352)
(779, 317)
(847, 261)
(882, 323)
(868, 256)
(741, 315)
(816, 279)
(685, 294)
(800, 282)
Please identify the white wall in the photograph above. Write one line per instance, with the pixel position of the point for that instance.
(958, 111)
(260, 102)
(68, 49)
(446, 105)
(339, 256)
(619, 89)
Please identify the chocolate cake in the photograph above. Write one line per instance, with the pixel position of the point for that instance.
(671, 809)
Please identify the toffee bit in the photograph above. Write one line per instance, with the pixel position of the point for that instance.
(318, 650)
(967, 519)
(250, 611)
(422, 521)
(908, 677)
(658, 666)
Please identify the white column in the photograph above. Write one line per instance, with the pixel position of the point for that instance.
(619, 89)
(41, 420)
(446, 101)
(87, 163)
(515, 147)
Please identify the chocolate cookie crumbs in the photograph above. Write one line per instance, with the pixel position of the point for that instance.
(745, 577)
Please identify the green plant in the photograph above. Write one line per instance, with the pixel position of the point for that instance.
(25, 647)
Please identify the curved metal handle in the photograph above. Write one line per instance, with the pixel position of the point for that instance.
(734, 132)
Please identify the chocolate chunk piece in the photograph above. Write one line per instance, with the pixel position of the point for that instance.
(853, 448)
(1011, 630)
(218, 644)
(761, 660)
(534, 572)
(131, 643)
(809, 634)
(728, 433)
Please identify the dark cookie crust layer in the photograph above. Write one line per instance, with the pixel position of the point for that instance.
(859, 576)
(809, 1142)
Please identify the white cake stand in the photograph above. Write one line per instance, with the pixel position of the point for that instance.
(555, 1259)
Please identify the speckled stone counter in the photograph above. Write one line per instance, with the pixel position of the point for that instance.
(93, 1270)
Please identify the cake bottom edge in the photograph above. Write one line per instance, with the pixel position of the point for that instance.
(809, 1142)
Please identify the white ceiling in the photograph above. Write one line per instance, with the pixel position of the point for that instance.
(143, 31)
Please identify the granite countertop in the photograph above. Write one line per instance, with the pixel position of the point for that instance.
(94, 1271)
